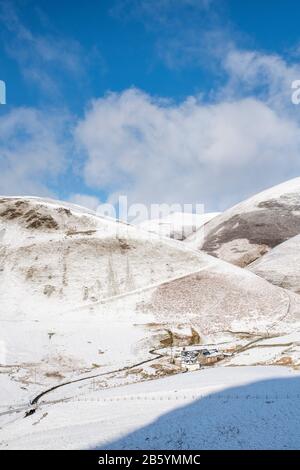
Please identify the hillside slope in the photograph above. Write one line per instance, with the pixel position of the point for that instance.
(281, 265)
(178, 225)
(56, 255)
(248, 230)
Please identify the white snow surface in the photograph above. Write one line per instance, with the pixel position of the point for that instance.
(281, 265)
(219, 408)
(178, 225)
(246, 231)
(275, 192)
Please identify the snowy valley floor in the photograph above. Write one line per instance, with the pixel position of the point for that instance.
(250, 407)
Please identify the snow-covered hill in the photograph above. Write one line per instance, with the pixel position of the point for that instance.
(86, 298)
(178, 225)
(281, 265)
(56, 256)
(57, 262)
(248, 230)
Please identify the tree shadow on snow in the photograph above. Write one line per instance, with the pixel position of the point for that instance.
(260, 415)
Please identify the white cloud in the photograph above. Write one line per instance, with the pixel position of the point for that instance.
(267, 76)
(84, 200)
(157, 151)
(32, 151)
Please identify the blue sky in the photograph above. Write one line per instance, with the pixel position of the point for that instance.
(163, 100)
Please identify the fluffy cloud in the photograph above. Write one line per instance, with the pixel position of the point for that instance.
(267, 76)
(158, 151)
(32, 151)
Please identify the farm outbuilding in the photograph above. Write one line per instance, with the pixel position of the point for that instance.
(210, 356)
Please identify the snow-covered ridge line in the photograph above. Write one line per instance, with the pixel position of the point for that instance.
(133, 229)
(269, 193)
(250, 229)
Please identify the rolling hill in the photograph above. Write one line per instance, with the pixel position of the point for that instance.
(178, 225)
(247, 231)
(85, 298)
(280, 266)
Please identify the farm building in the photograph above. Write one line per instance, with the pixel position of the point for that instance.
(210, 356)
(189, 360)
(194, 359)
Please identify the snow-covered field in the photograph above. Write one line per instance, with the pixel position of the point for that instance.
(219, 408)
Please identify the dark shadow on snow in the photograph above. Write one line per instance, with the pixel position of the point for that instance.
(260, 415)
